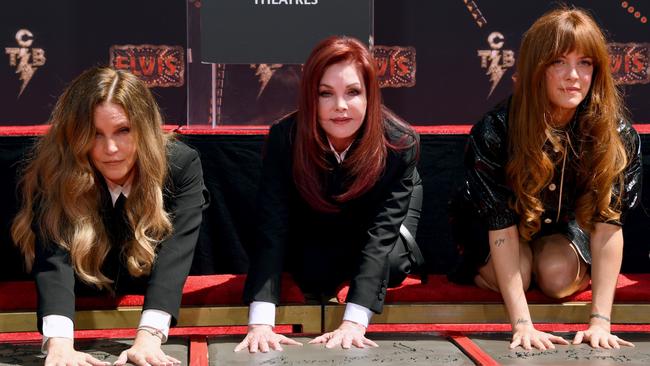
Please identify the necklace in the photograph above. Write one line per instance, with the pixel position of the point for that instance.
(565, 153)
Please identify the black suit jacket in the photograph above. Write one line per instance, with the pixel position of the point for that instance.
(185, 197)
(359, 236)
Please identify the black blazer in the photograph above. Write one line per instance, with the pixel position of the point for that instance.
(485, 185)
(185, 197)
(362, 233)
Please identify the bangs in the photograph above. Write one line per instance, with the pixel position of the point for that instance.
(346, 58)
(575, 33)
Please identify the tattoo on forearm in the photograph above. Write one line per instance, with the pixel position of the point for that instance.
(499, 242)
(603, 317)
(521, 321)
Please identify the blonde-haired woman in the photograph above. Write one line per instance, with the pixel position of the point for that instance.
(109, 202)
(550, 175)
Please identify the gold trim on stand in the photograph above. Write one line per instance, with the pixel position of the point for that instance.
(570, 312)
(18, 322)
(307, 316)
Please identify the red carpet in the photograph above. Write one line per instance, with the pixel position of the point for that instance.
(199, 290)
(632, 288)
(216, 290)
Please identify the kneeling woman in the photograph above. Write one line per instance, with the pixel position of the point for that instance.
(550, 176)
(336, 186)
(109, 202)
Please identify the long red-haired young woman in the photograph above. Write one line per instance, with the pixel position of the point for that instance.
(550, 176)
(338, 183)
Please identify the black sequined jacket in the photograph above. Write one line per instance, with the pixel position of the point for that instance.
(485, 186)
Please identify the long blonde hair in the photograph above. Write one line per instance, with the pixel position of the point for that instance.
(602, 156)
(61, 190)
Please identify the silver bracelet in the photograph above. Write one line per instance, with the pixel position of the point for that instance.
(603, 317)
(153, 331)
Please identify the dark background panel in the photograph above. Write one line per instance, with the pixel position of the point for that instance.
(249, 31)
(232, 166)
(13, 150)
(76, 35)
(451, 86)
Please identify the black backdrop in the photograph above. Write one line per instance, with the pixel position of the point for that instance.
(231, 166)
(76, 35)
(449, 85)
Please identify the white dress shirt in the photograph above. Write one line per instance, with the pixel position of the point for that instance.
(262, 312)
(339, 156)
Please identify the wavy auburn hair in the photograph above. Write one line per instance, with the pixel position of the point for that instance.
(61, 189)
(366, 162)
(602, 155)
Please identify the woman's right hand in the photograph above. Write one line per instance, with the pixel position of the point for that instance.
(60, 351)
(526, 336)
(262, 337)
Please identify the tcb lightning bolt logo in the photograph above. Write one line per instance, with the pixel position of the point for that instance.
(496, 60)
(26, 60)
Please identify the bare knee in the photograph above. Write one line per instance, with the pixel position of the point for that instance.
(525, 265)
(487, 277)
(486, 284)
(555, 281)
(557, 270)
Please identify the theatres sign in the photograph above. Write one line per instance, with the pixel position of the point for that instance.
(277, 31)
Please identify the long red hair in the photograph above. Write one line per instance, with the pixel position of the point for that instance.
(602, 154)
(366, 162)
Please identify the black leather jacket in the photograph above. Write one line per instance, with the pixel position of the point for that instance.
(486, 190)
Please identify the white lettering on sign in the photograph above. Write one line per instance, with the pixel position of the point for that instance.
(286, 2)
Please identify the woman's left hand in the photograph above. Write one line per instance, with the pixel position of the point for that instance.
(146, 351)
(598, 336)
(346, 335)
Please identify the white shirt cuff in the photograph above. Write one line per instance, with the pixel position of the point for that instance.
(261, 312)
(358, 314)
(58, 326)
(156, 319)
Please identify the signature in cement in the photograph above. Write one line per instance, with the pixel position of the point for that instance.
(398, 353)
(582, 354)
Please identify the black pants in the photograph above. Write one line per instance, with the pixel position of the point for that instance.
(321, 277)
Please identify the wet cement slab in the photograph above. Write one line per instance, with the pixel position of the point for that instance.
(496, 345)
(29, 354)
(393, 350)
